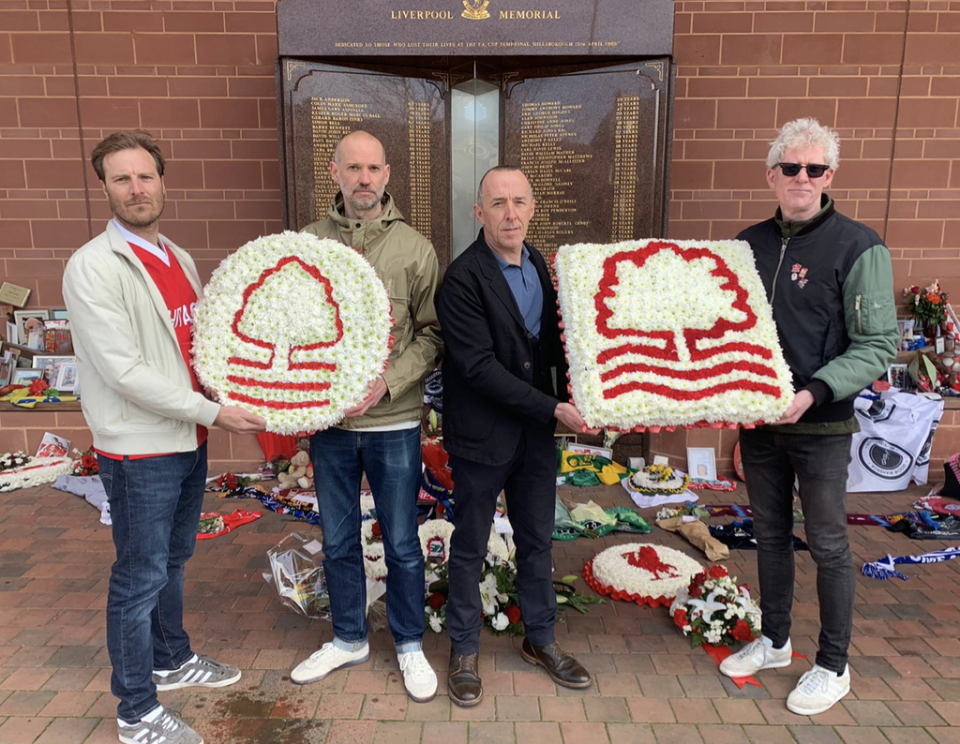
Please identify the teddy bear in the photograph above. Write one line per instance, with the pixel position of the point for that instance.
(300, 473)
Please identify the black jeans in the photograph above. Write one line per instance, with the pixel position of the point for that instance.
(771, 460)
(529, 483)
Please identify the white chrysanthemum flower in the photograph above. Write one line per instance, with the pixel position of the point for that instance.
(670, 333)
(35, 472)
(292, 327)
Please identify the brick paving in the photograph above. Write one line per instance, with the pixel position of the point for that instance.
(650, 686)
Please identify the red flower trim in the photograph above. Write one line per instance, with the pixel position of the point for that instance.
(668, 392)
(689, 374)
(623, 596)
(274, 385)
(278, 404)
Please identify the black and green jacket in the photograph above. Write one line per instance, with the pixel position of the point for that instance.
(830, 282)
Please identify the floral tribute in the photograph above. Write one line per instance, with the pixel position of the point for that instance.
(20, 470)
(645, 574)
(714, 609)
(666, 334)
(655, 479)
(86, 463)
(929, 304)
(293, 328)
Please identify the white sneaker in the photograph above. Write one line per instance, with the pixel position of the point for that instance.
(418, 676)
(327, 659)
(760, 654)
(818, 690)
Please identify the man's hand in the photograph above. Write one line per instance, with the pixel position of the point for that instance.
(801, 402)
(570, 417)
(378, 388)
(239, 420)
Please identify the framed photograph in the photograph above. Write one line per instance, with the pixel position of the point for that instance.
(898, 376)
(701, 463)
(49, 367)
(26, 375)
(67, 377)
(59, 313)
(7, 365)
(13, 334)
(30, 329)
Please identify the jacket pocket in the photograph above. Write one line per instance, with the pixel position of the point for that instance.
(873, 311)
(400, 309)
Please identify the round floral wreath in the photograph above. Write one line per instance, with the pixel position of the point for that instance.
(374, 558)
(293, 328)
(25, 471)
(661, 334)
(645, 574)
(658, 479)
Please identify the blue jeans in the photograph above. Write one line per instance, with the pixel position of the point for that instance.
(771, 460)
(155, 507)
(392, 462)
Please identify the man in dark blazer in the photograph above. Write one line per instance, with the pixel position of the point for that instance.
(504, 379)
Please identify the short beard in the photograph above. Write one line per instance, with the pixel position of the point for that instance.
(138, 223)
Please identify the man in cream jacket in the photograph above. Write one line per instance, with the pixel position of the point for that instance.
(131, 294)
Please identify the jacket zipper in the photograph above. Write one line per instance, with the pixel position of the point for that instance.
(859, 318)
(776, 275)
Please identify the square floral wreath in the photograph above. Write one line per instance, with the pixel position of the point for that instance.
(664, 334)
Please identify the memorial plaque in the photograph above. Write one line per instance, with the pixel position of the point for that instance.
(408, 114)
(593, 145)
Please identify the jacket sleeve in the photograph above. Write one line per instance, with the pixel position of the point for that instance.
(106, 335)
(469, 346)
(421, 355)
(871, 321)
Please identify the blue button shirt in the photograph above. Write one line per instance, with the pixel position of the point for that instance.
(525, 284)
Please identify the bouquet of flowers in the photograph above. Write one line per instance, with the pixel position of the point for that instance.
(927, 303)
(714, 609)
(86, 463)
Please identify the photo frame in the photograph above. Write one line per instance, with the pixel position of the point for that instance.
(50, 366)
(7, 365)
(59, 313)
(30, 329)
(67, 377)
(701, 463)
(13, 332)
(26, 375)
(898, 376)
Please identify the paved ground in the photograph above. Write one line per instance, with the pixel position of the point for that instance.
(650, 686)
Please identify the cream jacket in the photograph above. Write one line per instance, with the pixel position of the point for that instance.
(136, 391)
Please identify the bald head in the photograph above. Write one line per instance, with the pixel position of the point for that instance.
(359, 137)
(359, 168)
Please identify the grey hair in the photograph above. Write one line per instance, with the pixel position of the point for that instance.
(492, 170)
(804, 134)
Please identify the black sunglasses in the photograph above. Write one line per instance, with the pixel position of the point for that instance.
(793, 169)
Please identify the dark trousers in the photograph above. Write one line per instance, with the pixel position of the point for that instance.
(529, 482)
(771, 461)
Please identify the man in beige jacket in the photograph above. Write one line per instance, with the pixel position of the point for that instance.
(131, 295)
(380, 436)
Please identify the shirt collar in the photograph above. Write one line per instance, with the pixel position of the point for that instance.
(160, 252)
(524, 256)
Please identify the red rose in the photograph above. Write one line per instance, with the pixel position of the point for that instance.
(718, 572)
(513, 614)
(37, 387)
(680, 618)
(742, 631)
(376, 529)
(695, 592)
(437, 600)
(700, 578)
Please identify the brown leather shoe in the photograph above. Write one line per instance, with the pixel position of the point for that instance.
(561, 666)
(463, 680)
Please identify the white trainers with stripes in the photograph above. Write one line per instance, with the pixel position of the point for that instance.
(200, 671)
(165, 728)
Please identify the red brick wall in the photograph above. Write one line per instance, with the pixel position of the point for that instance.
(200, 75)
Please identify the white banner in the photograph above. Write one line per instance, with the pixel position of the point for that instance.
(893, 446)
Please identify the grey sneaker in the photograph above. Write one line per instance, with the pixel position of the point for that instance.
(200, 672)
(166, 729)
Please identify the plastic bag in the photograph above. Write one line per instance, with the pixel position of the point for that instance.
(296, 571)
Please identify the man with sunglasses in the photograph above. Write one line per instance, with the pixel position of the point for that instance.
(830, 282)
